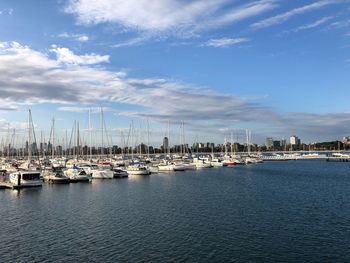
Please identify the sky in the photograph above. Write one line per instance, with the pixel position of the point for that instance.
(275, 67)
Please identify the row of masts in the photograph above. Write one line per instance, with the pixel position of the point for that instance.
(76, 141)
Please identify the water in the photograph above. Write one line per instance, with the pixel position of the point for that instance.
(270, 212)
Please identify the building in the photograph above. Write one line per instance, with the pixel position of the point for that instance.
(283, 143)
(294, 140)
(269, 142)
(165, 144)
(276, 144)
(346, 140)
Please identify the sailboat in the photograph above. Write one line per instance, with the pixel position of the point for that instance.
(75, 173)
(26, 176)
(103, 170)
(138, 169)
(54, 174)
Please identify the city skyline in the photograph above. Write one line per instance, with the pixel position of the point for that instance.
(274, 67)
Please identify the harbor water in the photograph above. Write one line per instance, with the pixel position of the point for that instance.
(296, 211)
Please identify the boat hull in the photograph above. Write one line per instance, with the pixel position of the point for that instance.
(139, 172)
(57, 180)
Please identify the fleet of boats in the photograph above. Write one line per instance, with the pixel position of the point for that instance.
(34, 170)
(32, 173)
(17, 173)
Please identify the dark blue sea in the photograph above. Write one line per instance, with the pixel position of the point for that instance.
(297, 211)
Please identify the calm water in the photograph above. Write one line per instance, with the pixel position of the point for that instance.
(270, 212)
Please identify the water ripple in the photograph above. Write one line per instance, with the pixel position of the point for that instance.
(273, 212)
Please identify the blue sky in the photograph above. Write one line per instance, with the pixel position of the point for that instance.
(276, 67)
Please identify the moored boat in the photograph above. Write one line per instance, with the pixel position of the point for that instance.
(24, 179)
(119, 173)
(77, 174)
(55, 176)
(138, 169)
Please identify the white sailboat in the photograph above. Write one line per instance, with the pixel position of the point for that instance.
(201, 163)
(76, 175)
(138, 169)
(54, 174)
(102, 172)
(27, 177)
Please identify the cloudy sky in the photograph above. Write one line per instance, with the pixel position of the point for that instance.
(277, 67)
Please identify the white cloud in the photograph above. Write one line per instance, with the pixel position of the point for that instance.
(131, 42)
(84, 109)
(66, 56)
(83, 38)
(339, 24)
(76, 37)
(243, 12)
(31, 77)
(8, 128)
(314, 24)
(8, 105)
(278, 19)
(170, 16)
(224, 42)
(6, 11)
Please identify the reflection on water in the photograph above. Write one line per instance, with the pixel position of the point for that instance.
(285, 212)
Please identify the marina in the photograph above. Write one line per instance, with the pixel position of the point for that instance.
(174, 131)
(73, 171)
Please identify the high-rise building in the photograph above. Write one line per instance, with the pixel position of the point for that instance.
(165, 144)
(276, 144)
(269, 142)
(283, 142)
(294, 140)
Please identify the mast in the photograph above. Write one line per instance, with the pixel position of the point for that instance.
(231, 144)
(66, 144)
(41, 144)
(140, 139)
(53, 138)
(74, 138)
(248, 137)
(8, 142)
(132, 140)
(225, 146)
(250, 140)
(12, 142)
(90, 135)
(102, 146)
(78, 139)
(169, 138)
(29, 138)
(148, 138)
(122, 143)
(183, 139)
